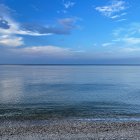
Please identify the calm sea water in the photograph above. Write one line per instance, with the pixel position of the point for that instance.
(75, 92)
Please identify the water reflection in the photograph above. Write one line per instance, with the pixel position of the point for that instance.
(11, 90)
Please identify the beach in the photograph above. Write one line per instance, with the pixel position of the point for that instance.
(70, 130)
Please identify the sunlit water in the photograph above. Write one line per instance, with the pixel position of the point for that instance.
(71, 92)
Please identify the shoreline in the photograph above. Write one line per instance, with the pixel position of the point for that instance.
(69, 130)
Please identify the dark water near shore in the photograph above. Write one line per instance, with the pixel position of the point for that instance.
(79, 92)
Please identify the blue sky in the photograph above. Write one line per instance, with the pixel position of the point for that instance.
(69, 31)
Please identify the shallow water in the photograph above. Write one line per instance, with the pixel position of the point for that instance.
(82, 92)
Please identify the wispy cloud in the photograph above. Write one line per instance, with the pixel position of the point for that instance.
(113, 9)
(107, 44)
(12, 32)
(131, 50)
(128, 35)
(63, 26)
(46, 50)
(132, 40)
(126, 40)
(68, 4)
(9, 26)
(132, 29)
(118, 16)
(120, 20)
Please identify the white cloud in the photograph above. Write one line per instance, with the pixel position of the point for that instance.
(68, 4)
(131, 40)
(10, 29)
(113, 9)
(126, 41)
(14, 28)
(11, 41)
(7, 37)
(120, 20)
(118, 16)
(131, 50)
(115, 16)
(107, 44)
(46, 50)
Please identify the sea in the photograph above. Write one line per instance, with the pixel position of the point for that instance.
(76, 92)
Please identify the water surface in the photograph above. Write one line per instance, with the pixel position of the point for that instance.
(80, 92)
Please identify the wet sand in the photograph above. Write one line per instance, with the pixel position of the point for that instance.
(70, 130)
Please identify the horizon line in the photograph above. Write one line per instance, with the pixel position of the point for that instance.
(80, 64)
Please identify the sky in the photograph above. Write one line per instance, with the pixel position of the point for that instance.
(69, 32)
